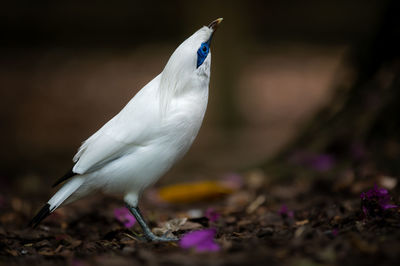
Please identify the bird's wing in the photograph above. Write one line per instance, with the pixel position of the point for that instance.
(128, 130)
(97, 151)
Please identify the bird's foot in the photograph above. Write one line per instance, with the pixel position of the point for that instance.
(153, 238)
(148, 234)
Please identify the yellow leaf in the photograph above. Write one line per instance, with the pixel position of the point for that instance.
(192, 192)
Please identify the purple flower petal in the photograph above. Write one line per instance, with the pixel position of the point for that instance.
(388, 206)
(124, 216)
(285, 212)
(201, 241)
(375, 201)
(212, 215)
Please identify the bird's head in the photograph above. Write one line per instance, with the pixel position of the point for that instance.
(192, 58)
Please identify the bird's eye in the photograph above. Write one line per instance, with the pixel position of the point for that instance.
(202, 53)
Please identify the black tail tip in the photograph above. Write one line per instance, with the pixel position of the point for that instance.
(42, 214)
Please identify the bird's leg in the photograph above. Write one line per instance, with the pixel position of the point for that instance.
(146, 230)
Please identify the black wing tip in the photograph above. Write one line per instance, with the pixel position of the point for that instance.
(42, 214)
(67, 175)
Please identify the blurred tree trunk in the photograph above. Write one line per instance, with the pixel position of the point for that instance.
(364, 114)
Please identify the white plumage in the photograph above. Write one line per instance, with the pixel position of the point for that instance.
(153, 131)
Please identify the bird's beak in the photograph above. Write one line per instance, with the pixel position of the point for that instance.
(214, 25)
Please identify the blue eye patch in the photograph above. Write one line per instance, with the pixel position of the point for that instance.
(202, 53)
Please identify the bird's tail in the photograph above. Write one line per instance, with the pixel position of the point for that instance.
(58, 198)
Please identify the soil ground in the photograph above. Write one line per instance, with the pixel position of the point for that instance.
(327, 227)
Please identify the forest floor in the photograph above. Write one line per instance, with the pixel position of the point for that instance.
(297, 221)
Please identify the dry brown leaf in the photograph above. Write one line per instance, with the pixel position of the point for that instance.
(46, 252)
(299, 231)
(74, 243)
(255, 204)
(303, 222)
(175, 225)
(12, 252)
(58, 249)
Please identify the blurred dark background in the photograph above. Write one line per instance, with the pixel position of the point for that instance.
(67, 67)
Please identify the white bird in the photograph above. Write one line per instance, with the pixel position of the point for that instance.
(147, 137)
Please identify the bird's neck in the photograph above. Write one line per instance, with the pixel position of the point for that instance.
(188, 88)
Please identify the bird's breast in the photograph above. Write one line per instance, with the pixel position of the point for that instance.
(184, 118)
